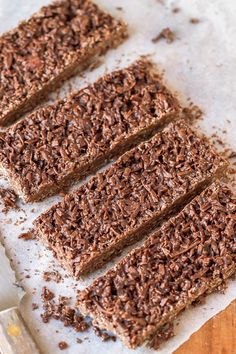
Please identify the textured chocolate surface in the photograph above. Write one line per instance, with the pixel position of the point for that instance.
(41, 49)
(119, 205)
(64, 141)
(187, 256)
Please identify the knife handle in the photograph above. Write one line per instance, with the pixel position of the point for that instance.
(15, 337)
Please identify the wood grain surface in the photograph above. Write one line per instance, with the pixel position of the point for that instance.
(217, 336)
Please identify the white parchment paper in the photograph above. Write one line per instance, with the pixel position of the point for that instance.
(200, 64)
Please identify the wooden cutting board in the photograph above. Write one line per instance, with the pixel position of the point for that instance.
(217, 336)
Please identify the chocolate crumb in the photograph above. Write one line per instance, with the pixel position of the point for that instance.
(103, 334)
(175, 10)
(217, 140)
(26, 236)
(194, 21)
(52, 276)
(200, 300)
(63, 345)
(46, 294)
(119, 8)
(166, 34)
(79, 341)
(166, 332)
(9, 199)
(232, 155)
(35, 306)
(61, 311)
(193, 113)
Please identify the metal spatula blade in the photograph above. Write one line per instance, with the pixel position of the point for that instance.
(10, 293)
(15, 338)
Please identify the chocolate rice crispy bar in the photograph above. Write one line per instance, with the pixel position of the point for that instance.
(120, 205)
(190, 255)
(60, 143)
(55, 43)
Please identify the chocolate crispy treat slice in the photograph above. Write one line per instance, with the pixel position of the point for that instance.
(55, 43)
(61, 143)
(190, 255)
(120, 205)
